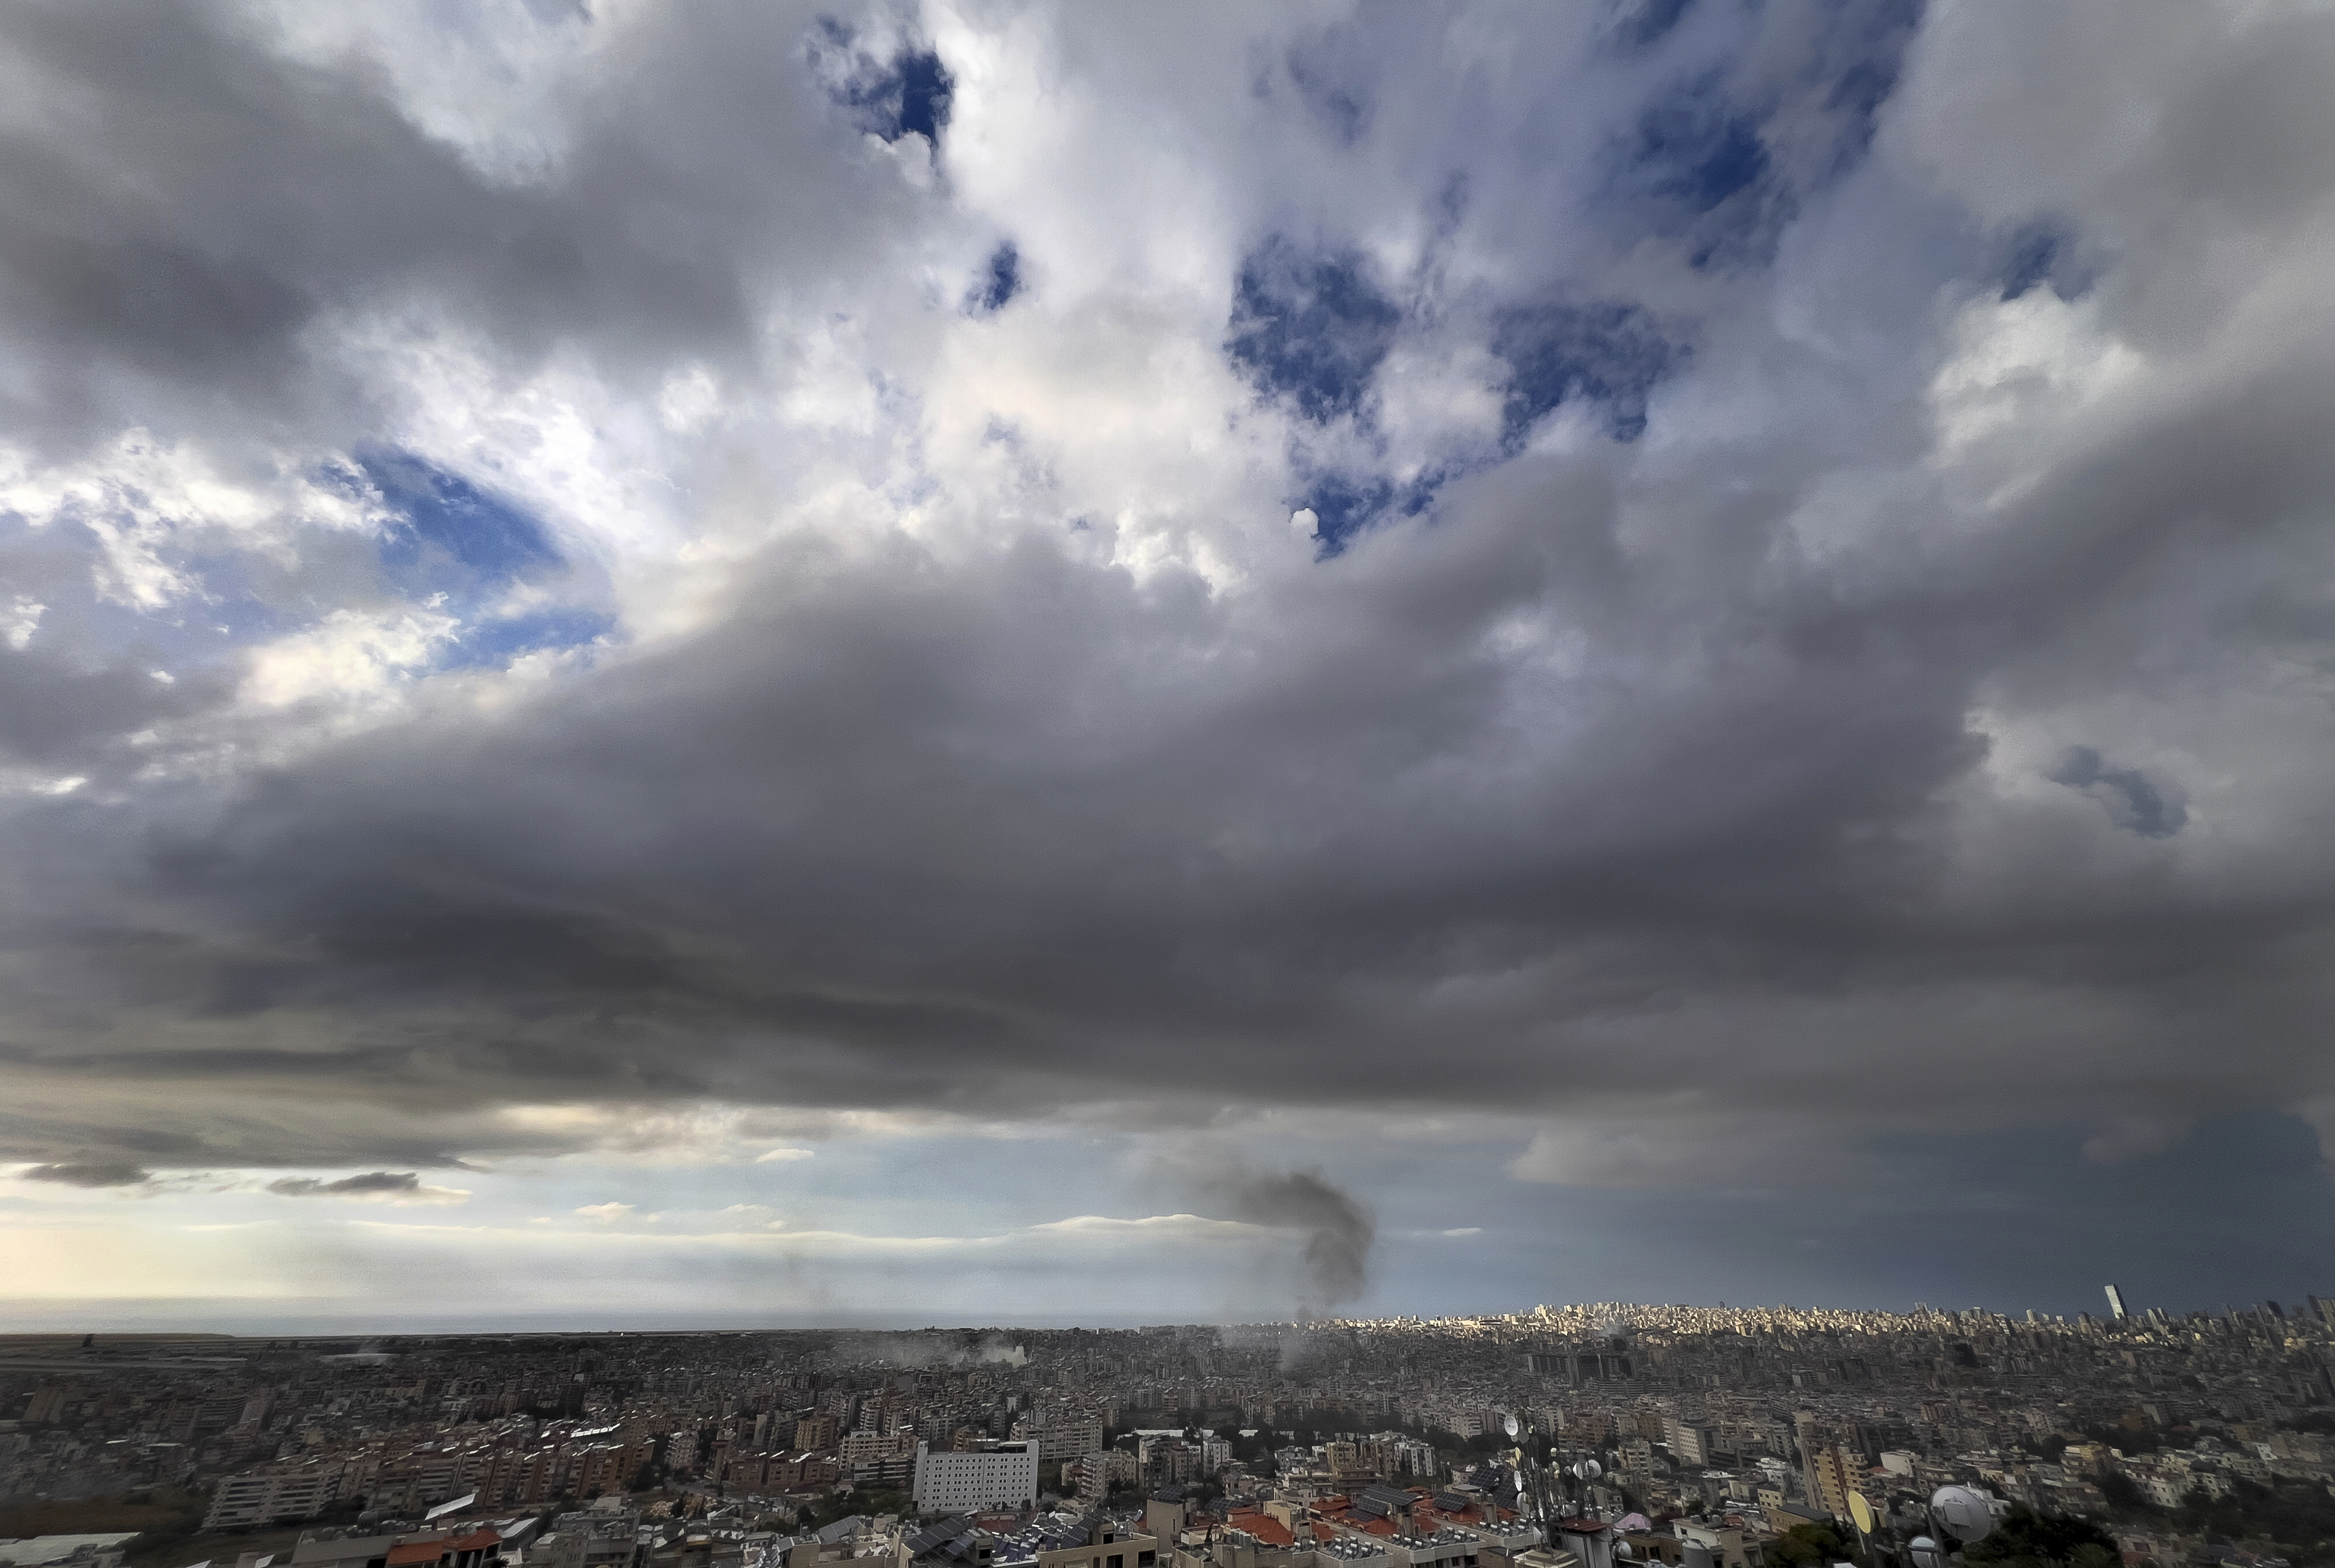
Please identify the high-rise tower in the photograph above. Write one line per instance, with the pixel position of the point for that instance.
(2116, 1303)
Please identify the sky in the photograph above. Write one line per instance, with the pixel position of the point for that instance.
(964, 663)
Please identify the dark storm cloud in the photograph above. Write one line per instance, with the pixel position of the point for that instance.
(1704, 750)
(54, 714)
(379, 1181)
(1075, 842)
(175, 244)
(89, 1176)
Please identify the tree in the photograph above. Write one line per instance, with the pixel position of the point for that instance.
(1805, 1545)
(2124, 1493)
(2026, 1539)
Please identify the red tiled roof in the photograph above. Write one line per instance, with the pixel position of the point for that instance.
(1268, 1530)
(418, 1552)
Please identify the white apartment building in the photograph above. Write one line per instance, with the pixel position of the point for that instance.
(302, 1492)
(1003, 1476)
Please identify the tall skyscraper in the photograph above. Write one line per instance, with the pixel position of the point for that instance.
(2116, 1303)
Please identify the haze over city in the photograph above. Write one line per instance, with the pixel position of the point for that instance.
(757, 666)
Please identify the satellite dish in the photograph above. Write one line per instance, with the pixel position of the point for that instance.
(1509, 1424)
(1926, 1553)
(1861, 1511)
(1588, 1469)
(1961, 1513)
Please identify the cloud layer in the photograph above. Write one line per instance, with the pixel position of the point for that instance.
(1709, 587)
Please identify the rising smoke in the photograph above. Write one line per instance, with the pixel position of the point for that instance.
(917, 1351)
(1339, 1230)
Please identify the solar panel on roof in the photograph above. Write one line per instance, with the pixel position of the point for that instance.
(932, 1535)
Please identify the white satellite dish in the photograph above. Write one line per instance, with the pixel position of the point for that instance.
(1588, 1469)
(1926, 1553)
(1962, 1513)
(1509, 1424)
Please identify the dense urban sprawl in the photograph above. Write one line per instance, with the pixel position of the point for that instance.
(1718, 1438)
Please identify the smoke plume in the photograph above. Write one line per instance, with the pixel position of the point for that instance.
(1341, 1230)
(920, 1351)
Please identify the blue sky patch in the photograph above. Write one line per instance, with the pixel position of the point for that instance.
(493, 643)
(464, 547)
(1340, 105)
(1693, 147)
(2132, 802)
(1635, 24)
(1311, 328)
(925, 88)
(908, 92)
(1343, 507)
(2029, 260)
(1865, 45)
(2035, 254)
(456, 539)
(1613, 354)
(1000, 281)
(1699, 158)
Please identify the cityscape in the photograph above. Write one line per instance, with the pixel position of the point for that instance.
(1101, 784)
(1575, 1437)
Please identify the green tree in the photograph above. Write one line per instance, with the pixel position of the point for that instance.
(1804, 1546)
(2026, 1539)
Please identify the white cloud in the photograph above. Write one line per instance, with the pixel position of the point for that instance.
(352, 658)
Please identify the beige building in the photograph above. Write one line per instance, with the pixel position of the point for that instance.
(1833, 1473)
(1106, 1547)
